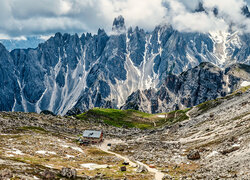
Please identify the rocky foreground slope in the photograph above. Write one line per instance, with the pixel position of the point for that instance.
(34, 146)
(211, 142)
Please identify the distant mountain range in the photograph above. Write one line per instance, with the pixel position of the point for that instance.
(28, 42)
(130, 68)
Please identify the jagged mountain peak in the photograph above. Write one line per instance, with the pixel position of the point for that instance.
(119, 24)
(245, 11)
(215, 10)
(200, 8)
(67, 72)
(101, 31)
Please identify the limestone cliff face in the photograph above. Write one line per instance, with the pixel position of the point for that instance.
(190, 88)
(74, 73)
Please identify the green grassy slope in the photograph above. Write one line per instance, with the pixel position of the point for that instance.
(138, 119)
(132, 118)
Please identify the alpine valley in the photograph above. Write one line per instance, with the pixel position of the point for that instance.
(154, 72)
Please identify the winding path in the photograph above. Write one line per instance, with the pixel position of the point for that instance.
(158, 175)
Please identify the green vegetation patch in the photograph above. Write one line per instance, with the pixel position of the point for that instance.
(132, 118)
(98, 152)
(203, 107)
(174, 117)
(241, 90)
(119, 118)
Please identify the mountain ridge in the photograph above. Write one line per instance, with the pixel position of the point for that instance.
(195, 86)
(103, 70)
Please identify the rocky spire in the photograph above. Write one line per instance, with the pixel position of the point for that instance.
(119, 24)
(200, 8)
(245, 11)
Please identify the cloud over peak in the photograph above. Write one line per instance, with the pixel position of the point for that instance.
(43, 17)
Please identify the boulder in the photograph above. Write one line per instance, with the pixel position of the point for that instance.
(152, 166)
(167, 177)
(48, 175)
(230, 149)
(125, 163)
(69, 173)
(193, 155)
(141, 169)
(123, 168)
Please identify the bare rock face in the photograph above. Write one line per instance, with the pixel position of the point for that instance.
(190, 88)
(193, 155)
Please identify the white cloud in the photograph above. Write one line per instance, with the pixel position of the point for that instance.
(143, 13)
(43, 17)
(198, 22)
(230, 11)
(46, 37)
(185, 20)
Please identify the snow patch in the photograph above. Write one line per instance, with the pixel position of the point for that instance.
(14, 105)
(245, 83)
(93, 166)
(77, 149)
(69, 156)
(161, 116)
(213, 153)
(63, 145)
(49, 166)
(38, 110)
(220, 39)
(15, 151)
(236, 145)
(24, 104)
(46, 152)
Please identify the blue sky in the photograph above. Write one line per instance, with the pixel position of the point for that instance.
(20, 18)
